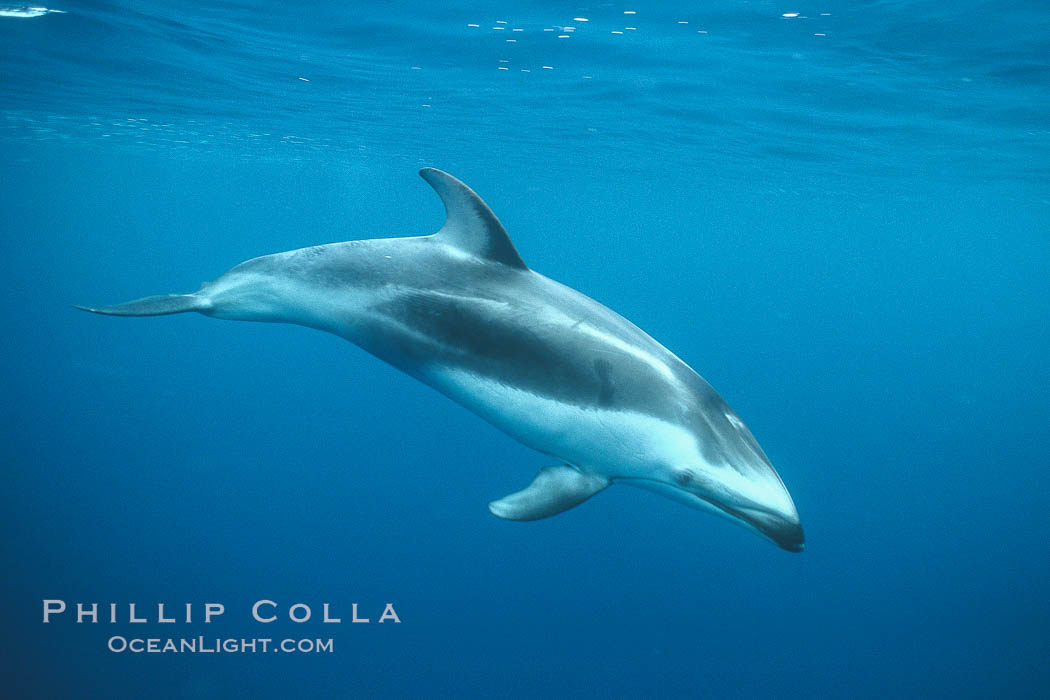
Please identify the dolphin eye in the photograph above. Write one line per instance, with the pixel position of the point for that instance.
(683, 477)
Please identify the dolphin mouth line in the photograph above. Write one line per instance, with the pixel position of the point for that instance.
(788, 536)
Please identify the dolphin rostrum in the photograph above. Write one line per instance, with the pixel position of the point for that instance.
(554, 369)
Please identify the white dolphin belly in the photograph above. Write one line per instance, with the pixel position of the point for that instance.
(607, 442)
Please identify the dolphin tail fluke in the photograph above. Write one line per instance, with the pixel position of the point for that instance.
(554, 490)
(153, 306)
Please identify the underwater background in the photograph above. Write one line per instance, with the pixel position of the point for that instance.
(837, 213)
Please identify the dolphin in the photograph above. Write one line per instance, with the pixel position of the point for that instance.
(460, 311)
(27, 11)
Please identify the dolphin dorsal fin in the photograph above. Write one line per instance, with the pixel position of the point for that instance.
(469, 223)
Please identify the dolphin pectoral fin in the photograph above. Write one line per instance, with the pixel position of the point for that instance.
(555, 489)
(469, 224)
(153, 306)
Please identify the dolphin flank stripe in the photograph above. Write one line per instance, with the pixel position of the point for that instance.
(476, 333)
(556, 370)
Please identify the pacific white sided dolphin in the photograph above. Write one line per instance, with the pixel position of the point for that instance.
(554, 369)
(27, 11)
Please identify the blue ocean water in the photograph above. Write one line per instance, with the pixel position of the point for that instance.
(837, 214)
